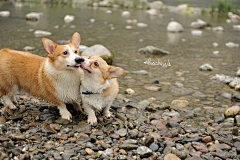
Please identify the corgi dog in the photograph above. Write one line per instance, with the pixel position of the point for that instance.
(55, 78)
(99, 86)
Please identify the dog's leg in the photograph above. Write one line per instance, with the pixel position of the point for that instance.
(64, 112)
(106, 112)
(91, 114)
(8, 102)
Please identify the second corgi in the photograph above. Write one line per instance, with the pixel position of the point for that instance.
(99, 86)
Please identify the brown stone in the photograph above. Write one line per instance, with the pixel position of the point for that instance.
(171, 156)
(89, 151)
(207, 139)
(160, 126)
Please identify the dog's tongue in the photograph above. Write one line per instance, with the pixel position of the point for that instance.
(78, 65)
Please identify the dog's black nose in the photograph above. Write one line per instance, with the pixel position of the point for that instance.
(79, 60)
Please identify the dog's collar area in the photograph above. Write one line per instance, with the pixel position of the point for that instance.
(88, 92)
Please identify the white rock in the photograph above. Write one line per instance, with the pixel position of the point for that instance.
(181, 7)
(95, 4)
(92, 20)
(128, 27)
(56, 27)
(233, 17)
(236, 27)
(228, 21)
(216, 53)
(142, 25)
(40, 33)
(232, 111)
(129, 91)
(215, 44)
(82, 48)
(218, 28)
(4, 13)
(199, 24)
(197, 32)
(152, 12)
(180, 103)
(126, 14)
(174, 26)
(69, 18)
(206, 67)
(238, 73)
(231, 45)
(108, 11)
(156, 5)
(29, 48)
(97, 49)
(34, 16)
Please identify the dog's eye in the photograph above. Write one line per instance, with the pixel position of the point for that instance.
(76, 51)
(65, 53)
(95, 63)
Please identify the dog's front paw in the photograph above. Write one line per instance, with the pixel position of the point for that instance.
(66, 115)
(107, 114)
(92, 119)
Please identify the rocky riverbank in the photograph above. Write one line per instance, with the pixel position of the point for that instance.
(139, 130)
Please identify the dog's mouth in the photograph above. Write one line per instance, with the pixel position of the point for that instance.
(75, 66)
(85, 69)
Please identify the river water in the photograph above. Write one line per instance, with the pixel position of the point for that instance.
(187, 52)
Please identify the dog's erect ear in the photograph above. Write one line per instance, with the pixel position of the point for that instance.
(49, 46)
(76, 39)
(115, 72)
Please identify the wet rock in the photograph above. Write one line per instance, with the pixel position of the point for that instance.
(128, 147)
(231, 45)
(223, 154)
(180, 103)
(207, 139)
(4, 13)
(153, 51)
(126, 14)
(216, 147)
(128, 27)
(142, 25)
(172, 114)
(234, 82)
(200, 147)
(206, 67)
(154, 147)
(182, 90)
(153, 88)
(69, 18)
(171, 156)
(16, 151)
(2, 120)
(160, 126)
(40, 33)
(217, 29)
(34, 16)
(232, 111)
(129, 91)
(57, 156)
(199, 24)
(193, 139)
(226, 95)
(144, 151)
(152, 12)
(29, 48)
(174, 26)
(237, 120)
(199, 94)
(236, 98)
(122, 132)
(196, 33)
(99, 50)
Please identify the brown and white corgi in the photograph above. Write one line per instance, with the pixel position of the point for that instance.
(55, 78)
(99, 86)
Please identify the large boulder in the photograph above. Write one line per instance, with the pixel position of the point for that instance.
(174, 26)
(34, 16)
(99, 50)
(4, 14)
(153, 50)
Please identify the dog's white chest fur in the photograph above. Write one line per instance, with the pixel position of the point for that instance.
(97, 99)
(67, 83)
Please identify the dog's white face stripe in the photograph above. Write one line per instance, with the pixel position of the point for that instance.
(72, 56)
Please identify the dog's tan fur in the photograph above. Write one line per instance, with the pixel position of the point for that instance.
(102, 82)
(55, 78)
